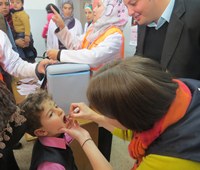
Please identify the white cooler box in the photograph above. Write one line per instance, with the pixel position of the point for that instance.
(67, 83)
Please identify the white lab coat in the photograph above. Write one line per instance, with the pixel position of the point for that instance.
(11, 62)
(52, 40)
(106, 51)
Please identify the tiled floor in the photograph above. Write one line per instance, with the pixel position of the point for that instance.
(120, 159)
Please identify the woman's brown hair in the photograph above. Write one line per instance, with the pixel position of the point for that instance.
(136, 91)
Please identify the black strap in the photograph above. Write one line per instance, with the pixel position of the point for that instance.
(44, 83)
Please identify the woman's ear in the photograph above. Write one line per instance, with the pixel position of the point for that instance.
(40, 132)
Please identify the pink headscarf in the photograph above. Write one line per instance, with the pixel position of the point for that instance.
(115, 14)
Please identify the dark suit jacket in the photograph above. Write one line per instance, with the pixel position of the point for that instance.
(181, 50)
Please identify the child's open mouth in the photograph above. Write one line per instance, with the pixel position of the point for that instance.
(65, 119)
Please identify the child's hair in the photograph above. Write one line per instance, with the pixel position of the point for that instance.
(7, 105)
(136, 91)
(48, 8)
(32, 107)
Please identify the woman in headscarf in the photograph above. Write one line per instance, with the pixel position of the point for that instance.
(89, 15)
(102, 42)
(74, 25)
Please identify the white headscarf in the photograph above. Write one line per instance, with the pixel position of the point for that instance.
(115, 14)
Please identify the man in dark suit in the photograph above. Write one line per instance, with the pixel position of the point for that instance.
(169, 32)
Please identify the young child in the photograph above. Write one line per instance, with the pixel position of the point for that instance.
(89, 15)
(45, 120)
(21, 20)
(49, 16)
(22, 29)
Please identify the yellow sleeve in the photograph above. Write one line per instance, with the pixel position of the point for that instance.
(157, 162)
(26, 22)
(123, 134)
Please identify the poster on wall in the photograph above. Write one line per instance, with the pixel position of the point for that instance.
(133, 36)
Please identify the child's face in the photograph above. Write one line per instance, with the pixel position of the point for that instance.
(89, 15)
(17, 4)
(52, 119)
(67, 10)
(4, 7)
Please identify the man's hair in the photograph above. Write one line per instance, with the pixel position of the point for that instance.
(32, 107)
(137, 92)
(7, 105)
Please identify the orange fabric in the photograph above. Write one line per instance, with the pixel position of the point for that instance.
(109, 31)
(141, 141)
(1, 77)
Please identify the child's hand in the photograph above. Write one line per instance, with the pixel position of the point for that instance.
(57, 19)
(21, 43)
(52, 54)
(27, 39)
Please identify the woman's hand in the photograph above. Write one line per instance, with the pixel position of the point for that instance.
(41, 68)
(98, 161)
(57, 19)
(77, 132)
(83, 112)
(52, 54)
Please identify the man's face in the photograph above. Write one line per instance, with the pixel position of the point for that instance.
(143, 11)
(4, 7)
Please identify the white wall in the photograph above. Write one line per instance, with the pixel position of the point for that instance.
(37, 4)
(129, 48)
